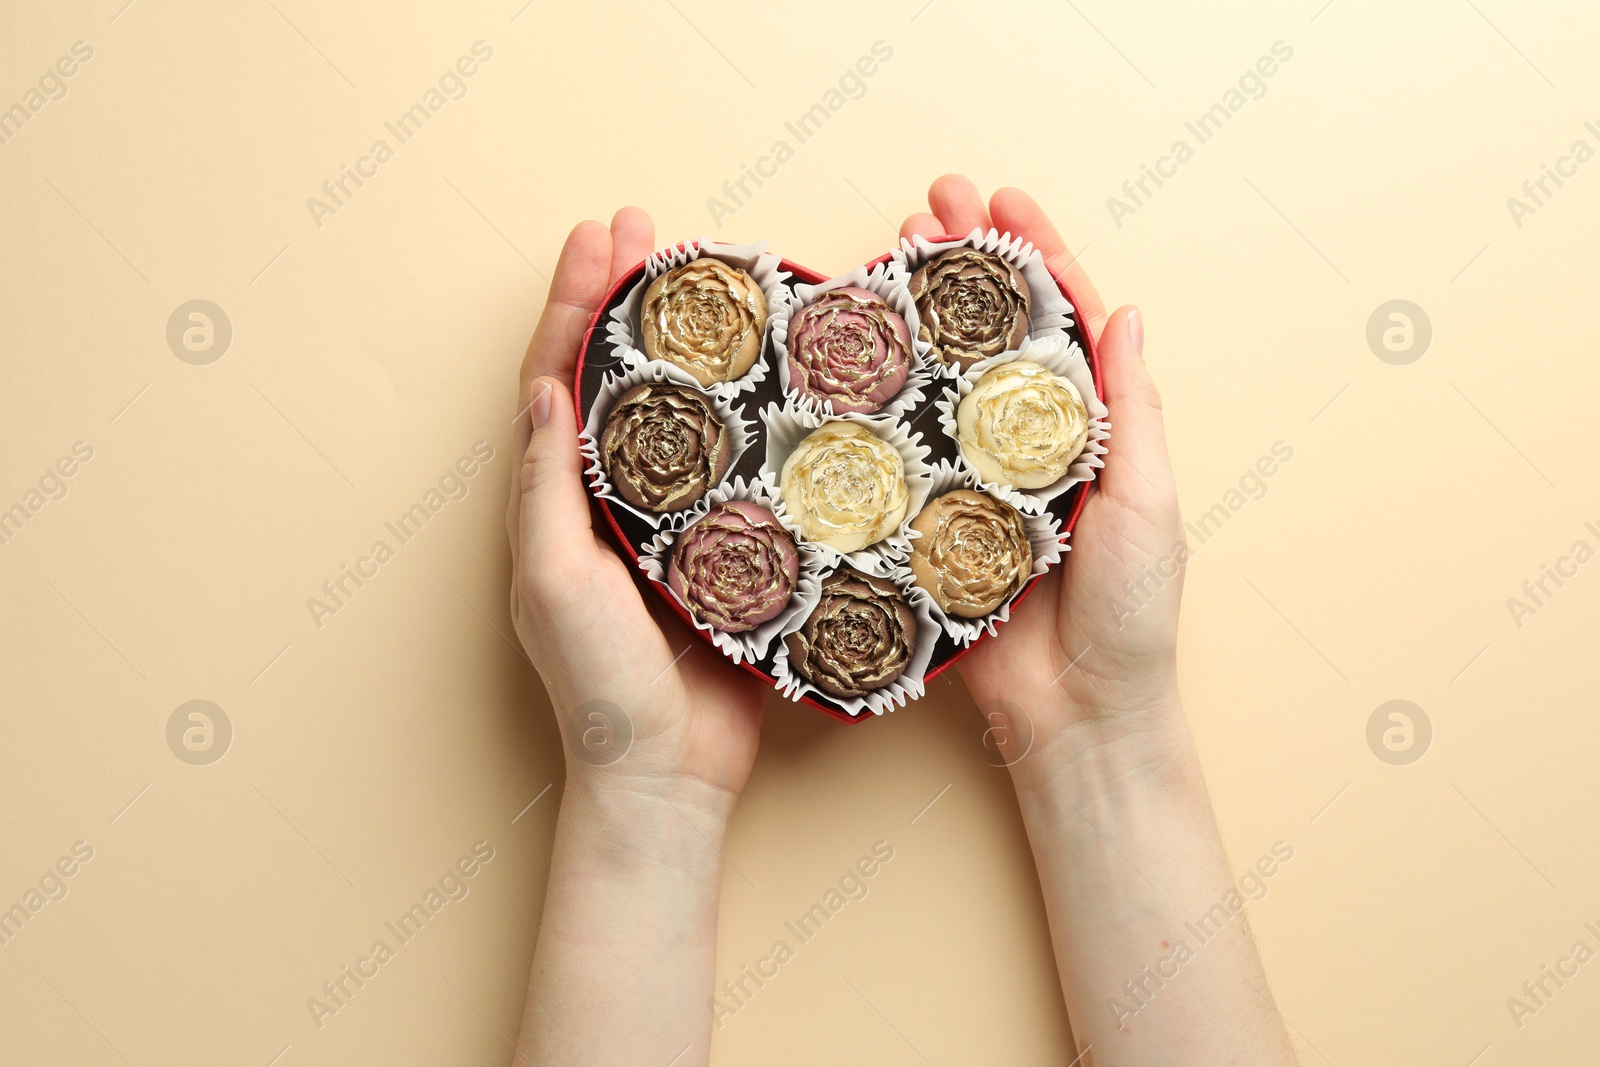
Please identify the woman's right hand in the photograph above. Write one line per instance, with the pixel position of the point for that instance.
(1093, 646)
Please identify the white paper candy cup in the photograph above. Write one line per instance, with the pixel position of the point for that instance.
(1059, 356)
(887, 280)
(909, 686)
(789, 424)
(1050, 312)
(741, 431)
(1045, 538)
(623, 329)
(752, 644)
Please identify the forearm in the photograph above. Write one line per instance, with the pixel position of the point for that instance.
(1133, 873)
(626, 956)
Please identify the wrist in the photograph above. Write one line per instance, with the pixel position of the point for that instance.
(1092, 750)
(1104, 687)
(628, 823)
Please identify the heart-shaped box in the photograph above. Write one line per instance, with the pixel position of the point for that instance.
(633, 535)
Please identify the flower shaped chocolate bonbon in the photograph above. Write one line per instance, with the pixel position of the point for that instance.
(849, 349)
(973, 553)
(664, 447)
(1022, 426)
(735, 568)
(845, 487)
(971, 305)
(705, 317)
(857, 639)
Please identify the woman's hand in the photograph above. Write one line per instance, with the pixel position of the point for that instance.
(660, 732)
(1100, 631)
(642, 703)
(1111, 792)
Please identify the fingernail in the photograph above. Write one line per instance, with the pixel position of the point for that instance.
(539, 404)
(1136, 330)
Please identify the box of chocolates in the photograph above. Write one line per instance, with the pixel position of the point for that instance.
(842, 483)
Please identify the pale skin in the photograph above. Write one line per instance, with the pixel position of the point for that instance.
(1111, 791)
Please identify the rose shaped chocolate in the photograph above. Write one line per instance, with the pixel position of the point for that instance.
(706, 317)
(664, 447)
(845, 487)
(735, 568)
(857, 639)
(973, 554)
(1021, 425)
(849, 349)
(971, 304)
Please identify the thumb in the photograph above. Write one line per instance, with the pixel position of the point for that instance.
(553, 525)
(1139, 468)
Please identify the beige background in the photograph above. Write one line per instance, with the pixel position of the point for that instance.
(370, 353)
